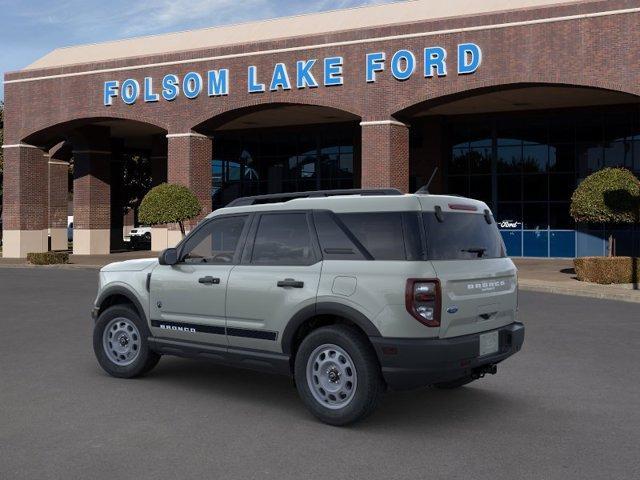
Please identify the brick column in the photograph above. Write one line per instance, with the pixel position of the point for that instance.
(58, 193)
(385, 155)
(158, 158)
(25, 201)
(92, 192)
(189, 164)
(59, 157)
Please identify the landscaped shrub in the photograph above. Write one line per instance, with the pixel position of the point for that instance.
(169, 203)
(48, 258)
(610, 195)
(607, 270)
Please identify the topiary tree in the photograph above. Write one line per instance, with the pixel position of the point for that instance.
(169, 203)
(610, 195)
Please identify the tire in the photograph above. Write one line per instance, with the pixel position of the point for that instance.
(129, 355)
(454, 383)
(348, 358)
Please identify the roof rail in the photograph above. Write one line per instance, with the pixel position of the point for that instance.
(285, 197)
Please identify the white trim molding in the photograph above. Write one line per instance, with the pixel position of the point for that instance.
(331, 44)
(58, 162)
(189, 134)
(19, 145)
(383, 122)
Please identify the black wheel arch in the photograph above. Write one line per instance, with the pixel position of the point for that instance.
(118, 294)
(326, 309)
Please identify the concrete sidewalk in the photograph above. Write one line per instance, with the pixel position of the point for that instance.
(558, 276)
(535, 274)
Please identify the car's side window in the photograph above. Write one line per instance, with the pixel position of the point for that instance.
(217, 242)
(283, 239)
(381, 233)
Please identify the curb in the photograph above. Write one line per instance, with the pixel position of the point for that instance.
(534, 286)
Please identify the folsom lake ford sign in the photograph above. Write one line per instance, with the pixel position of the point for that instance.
(310, 73)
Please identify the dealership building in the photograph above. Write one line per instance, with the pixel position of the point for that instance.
(509, 101)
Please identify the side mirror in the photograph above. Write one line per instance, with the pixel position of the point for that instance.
(168, 257)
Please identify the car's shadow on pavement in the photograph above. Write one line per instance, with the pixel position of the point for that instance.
(416, 409)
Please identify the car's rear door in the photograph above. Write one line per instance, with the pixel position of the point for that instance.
(278, 276)
(188, 300)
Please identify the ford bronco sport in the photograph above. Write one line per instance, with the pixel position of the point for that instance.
(348, 292)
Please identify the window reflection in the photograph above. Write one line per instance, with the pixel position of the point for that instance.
(528, 165)
(255, 162)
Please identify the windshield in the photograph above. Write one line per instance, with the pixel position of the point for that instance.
(462, 236)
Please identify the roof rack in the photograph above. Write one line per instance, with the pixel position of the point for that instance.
(285, 197)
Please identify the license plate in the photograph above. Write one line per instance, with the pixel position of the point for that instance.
(489, 343)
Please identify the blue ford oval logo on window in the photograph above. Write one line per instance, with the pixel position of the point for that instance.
(452, 309)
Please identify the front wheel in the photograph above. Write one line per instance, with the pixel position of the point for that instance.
(337, 375)
(120, 343)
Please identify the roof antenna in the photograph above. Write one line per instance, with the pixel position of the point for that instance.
(425, 188)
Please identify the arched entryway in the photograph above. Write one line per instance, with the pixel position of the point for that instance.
(92, 172)
(279, 148)
(523, 149)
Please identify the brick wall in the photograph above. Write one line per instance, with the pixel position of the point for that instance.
(597, 51)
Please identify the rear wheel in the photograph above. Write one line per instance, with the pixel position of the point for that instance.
(337, 375)
(120, 343)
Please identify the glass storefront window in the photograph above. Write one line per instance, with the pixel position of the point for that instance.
(528, 164)
(459, 161)
(535, 158)
(509, 159)
(480, 159)
(480, 187)
(561, 186)
(535, 216)
(559, 217)
(618, 154)
(509, 187)
(254, 162)
(535, 187)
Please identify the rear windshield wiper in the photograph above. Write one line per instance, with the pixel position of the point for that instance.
(478, 251)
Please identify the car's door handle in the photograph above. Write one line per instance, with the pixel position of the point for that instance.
(290, 282)
(208, 280)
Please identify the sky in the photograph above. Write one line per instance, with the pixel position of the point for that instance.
(31, 28)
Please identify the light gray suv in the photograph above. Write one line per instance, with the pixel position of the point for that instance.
(349, 292)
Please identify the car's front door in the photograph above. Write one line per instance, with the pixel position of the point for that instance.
(187, 300)
(278, 276)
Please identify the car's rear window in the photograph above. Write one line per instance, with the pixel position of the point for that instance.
(462, 236)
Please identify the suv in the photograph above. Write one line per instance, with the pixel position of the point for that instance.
(349, 292)
(140, 237)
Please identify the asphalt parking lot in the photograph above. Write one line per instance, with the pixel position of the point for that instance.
(566, 407)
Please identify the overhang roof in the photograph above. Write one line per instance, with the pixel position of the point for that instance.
(279, 28)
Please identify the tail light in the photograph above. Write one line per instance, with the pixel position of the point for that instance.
(422, 299)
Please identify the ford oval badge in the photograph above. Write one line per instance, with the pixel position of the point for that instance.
(452, 309)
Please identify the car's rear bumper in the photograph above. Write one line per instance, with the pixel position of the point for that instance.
(411, 363)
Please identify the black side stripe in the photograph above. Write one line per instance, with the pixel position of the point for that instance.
(199, 328)
(259, 334)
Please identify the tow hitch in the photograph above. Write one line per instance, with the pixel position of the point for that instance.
(480, 372)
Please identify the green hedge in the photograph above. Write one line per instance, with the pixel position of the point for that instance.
(48, 258)
(607, 270)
